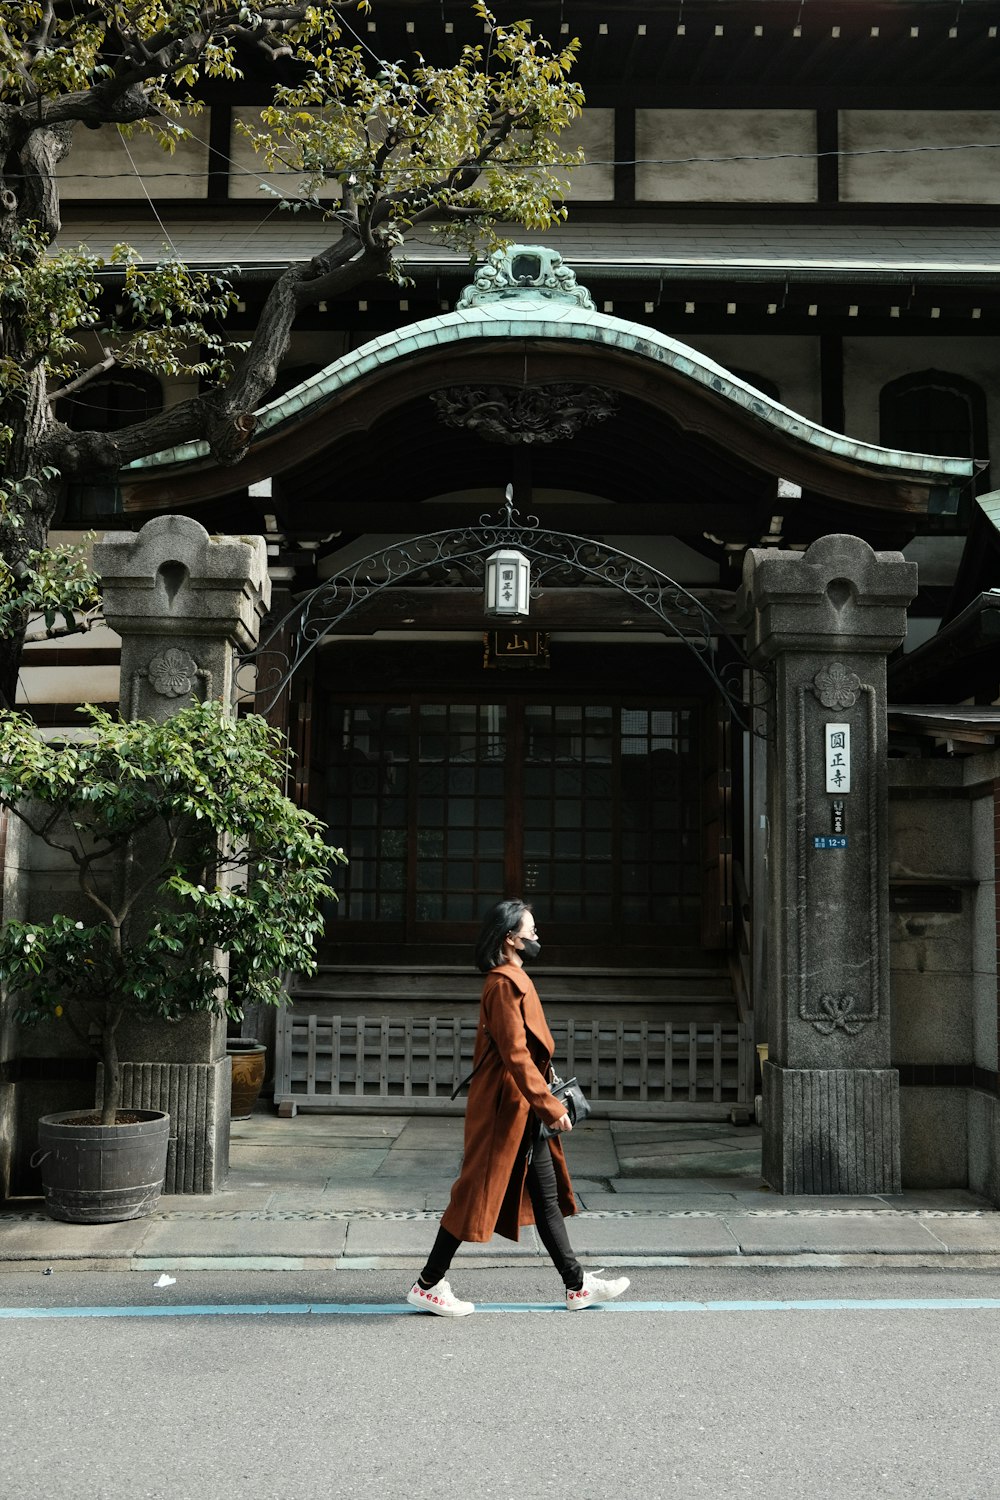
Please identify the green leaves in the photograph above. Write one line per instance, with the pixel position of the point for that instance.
(223, 862)
(57, 584)
(469, 145)
(165, 311)
(51, 297)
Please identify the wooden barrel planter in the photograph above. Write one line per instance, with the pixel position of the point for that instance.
(102, 1174)
(249, 1061)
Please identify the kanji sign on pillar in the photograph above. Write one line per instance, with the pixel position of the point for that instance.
(838, 758)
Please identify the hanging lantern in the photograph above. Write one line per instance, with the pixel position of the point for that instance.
(508, 581)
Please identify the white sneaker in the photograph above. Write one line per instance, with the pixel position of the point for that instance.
(594, 1290)
(441, 1300)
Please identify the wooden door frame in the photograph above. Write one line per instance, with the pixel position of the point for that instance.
(611, 933)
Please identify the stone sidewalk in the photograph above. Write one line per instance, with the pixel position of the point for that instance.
(342, 1192)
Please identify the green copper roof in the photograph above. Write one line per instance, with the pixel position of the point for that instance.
(991, 505)
(552, 308)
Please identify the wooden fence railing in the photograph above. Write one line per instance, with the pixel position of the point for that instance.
(406, 1064)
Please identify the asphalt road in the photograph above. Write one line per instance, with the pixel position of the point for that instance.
(689, 1402)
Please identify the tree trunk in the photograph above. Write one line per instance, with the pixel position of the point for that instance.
(112, 1073)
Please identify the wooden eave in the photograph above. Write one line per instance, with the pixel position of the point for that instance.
(665, 393)
(961, 661)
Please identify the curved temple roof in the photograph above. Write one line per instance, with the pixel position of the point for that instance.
(551, 308)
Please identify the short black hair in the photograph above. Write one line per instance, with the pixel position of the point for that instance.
(505, 917)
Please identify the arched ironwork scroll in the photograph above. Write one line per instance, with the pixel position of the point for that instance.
(559, 559)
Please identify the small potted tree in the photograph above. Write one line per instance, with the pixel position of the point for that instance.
(184, 848)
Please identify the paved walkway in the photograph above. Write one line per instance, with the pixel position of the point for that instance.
(341, 1191)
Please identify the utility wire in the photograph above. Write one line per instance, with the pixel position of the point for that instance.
(138, 174)
(632, 161)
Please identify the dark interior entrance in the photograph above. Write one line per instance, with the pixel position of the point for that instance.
(591, 807)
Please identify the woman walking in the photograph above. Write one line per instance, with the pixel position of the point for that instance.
(511, 1175)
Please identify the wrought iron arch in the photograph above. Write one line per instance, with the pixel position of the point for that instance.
(559, 558)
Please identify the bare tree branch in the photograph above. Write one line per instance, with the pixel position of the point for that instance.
(84, 623)
(101, 368)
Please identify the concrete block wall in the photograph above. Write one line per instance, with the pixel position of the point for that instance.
(944, 838)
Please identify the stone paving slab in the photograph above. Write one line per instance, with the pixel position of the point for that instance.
(46, 1240)
(791, 1234)
(960, 1235)
(948, 1200)
(317, 1188)
(651, 1235)
(653, 1146)
(680, 1187)
(414, 1237)
(731, 1182)
(439, 1163)
(426, 1134)
(626, 1134)
(769, 1203)
(660, 1203)
(698, 1164)
(590, 1161)
(244, 1237)
(308, 1129)
(338, 1197)
(310, 1164)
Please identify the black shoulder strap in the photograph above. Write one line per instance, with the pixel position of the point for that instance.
(469, 1077)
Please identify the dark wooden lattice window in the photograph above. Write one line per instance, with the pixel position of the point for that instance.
(112, 402)
(106, 405)
(935, 412)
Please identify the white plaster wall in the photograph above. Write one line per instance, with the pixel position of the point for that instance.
(870, 363)
(792, 363)
(666, 138)
(67, 684)
(595, 132)
(98, 166)
(248, 168)
(948, 176)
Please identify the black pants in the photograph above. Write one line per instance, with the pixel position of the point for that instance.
(551, 1226)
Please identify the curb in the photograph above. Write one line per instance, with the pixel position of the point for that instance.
(985, 1260)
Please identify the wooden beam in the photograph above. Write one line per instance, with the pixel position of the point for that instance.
(684, 514)
(419, 609)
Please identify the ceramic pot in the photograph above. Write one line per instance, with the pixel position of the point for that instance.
(249, 1060)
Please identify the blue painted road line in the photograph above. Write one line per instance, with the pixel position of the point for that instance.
(394, 1309)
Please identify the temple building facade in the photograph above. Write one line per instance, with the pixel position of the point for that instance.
(720, 445)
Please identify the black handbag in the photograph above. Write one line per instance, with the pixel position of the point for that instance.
(572, 1096)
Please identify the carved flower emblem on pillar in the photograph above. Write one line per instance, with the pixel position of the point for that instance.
(837, 687)
(173, 673)
(838, 1011)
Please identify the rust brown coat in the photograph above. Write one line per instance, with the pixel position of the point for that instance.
(514, 1047)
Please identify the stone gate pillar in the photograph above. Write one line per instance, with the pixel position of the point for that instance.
(181, 601)
(820, 625)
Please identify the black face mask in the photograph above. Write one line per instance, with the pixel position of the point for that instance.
(531, 948)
